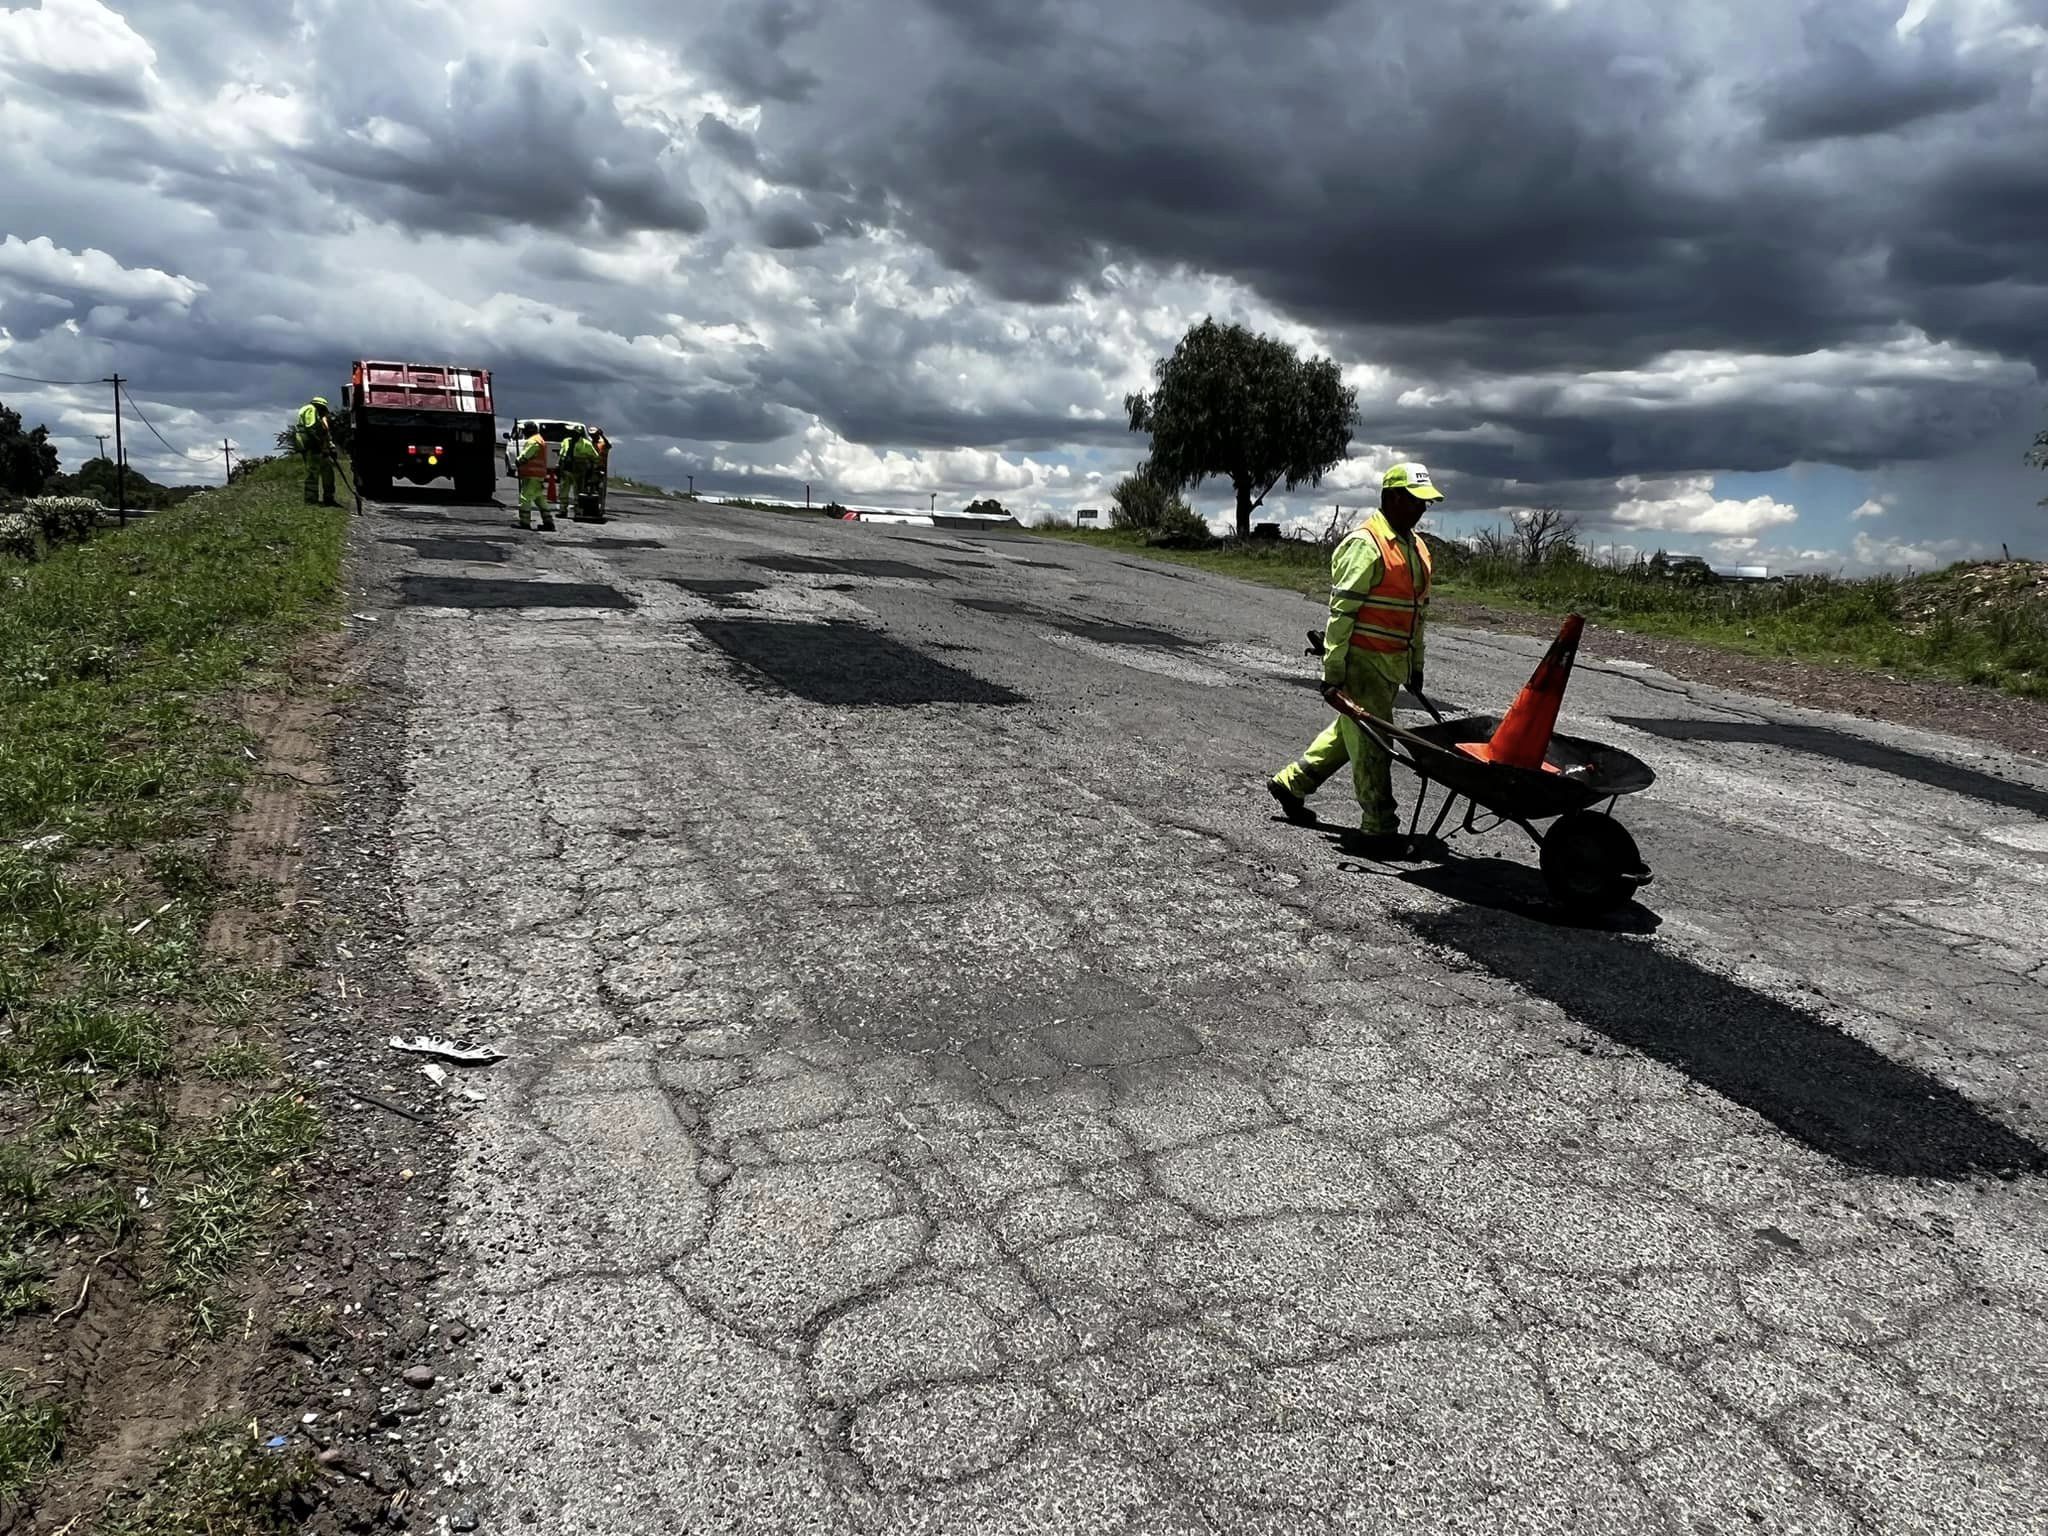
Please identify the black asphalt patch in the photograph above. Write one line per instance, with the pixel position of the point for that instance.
(973, 565)
(719, 591)
(1816, 1083)
(847, 664)
(1857, 752)
(716, 586)
(475, 551)
(623, 544)
(489, 592)
(998, 605)
(810, 565)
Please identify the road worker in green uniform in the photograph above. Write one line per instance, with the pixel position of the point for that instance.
(533, 483)
(578, 468)
(313, 435)
(1372, 644)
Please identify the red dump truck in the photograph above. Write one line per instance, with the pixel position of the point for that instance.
(421, 422)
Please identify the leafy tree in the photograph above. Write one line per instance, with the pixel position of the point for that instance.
(987, 506)
(1233, 403)
(2038, 455)
(27, 460)
(1142, 503)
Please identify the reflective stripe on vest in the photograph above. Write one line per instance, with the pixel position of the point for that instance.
(533, 459)
(1391, 612)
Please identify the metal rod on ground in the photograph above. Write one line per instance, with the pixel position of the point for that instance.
(120, 453)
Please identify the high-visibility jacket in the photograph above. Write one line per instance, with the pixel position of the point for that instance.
(1379, 597)
(582, 453)
(312, 432)
(533, 458)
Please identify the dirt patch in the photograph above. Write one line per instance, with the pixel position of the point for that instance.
(326, 1322)
(1956, 709)
(135, 1370)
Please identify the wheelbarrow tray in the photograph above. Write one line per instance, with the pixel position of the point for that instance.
(1587, 772)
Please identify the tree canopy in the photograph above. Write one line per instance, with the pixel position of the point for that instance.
(1232, 403)
(27, 459)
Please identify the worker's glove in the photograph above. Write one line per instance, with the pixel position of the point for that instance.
(1315, 643)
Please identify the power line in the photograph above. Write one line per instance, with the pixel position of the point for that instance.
(59, 383)
(180, 452)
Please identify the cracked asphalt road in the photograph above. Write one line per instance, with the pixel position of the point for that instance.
(943, 1096)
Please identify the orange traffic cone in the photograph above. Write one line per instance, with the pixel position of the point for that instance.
(1523, 736)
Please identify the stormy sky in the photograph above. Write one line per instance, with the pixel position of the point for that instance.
(1766, 279)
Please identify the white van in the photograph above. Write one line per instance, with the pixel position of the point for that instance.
(553, 433)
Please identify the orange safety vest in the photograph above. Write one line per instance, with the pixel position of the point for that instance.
(534, 465)
(1391, 611)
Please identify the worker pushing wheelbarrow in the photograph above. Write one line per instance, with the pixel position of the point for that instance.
(1518, 769)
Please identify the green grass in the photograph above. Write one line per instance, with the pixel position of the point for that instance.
(217, 1482)
(1950, 624)
(31, 1437)
(118, 758)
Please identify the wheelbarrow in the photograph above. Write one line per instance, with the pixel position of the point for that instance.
(1589, 861)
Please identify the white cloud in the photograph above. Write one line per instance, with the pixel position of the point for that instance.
(840, 469)
(1689, 506)
(42, 265)
(81, 48)
(1869, 553)
(1872, 507)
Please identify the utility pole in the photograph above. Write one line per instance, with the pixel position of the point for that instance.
(935, 501)
(103, 443)
(807, 495)
(693, 485)
(120, 453)
(227, 458)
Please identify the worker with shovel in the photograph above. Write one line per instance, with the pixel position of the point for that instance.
(313, 436)
(1372, 644)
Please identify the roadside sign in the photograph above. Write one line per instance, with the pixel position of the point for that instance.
(1087, 515)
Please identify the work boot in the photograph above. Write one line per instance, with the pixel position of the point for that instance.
(525, 521)
(547, 524)
(1292, 806)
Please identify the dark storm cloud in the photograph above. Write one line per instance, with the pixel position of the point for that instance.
(521, 140)
(752, 44)
(788, 227)
(1478, 184)
(726, 141)
(1854, 86)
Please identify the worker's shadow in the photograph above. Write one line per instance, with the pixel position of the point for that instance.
(1500, 885)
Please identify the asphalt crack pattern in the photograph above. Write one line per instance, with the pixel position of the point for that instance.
(893, 1150)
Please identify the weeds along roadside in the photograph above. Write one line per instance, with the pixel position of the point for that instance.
(147, 1131)
(1981, 625)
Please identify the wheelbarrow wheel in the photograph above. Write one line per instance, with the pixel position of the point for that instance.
(1590, 862)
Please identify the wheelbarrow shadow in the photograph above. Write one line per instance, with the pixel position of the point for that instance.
(1807, 1075)
(1502, 885)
